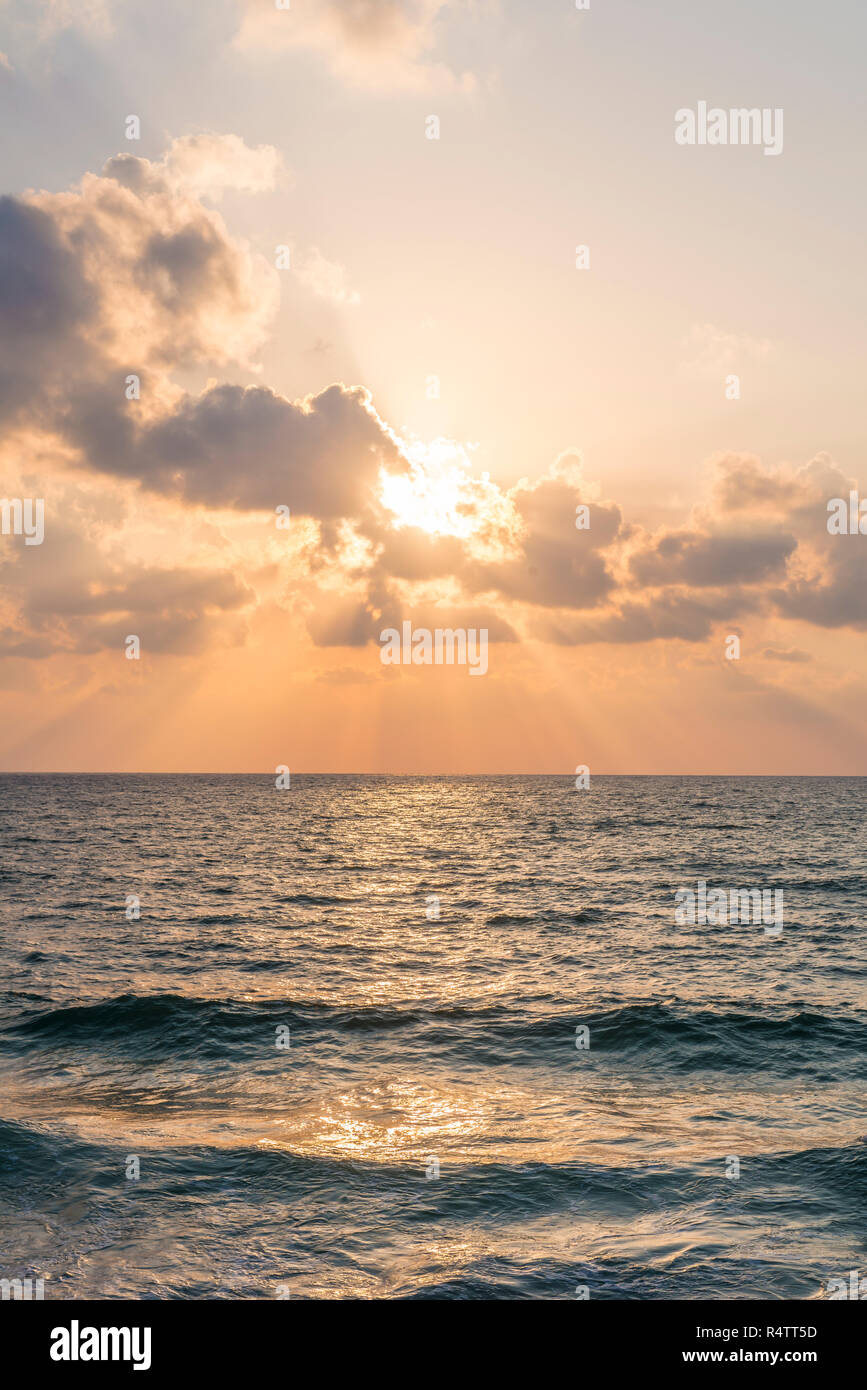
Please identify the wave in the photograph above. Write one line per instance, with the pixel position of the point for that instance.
(548, 918)
(835, 884)
(675, 1036)
(835, 1175)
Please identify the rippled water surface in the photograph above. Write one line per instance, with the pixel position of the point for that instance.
(417, 1041)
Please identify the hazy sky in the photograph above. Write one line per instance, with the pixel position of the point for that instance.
(432, 387)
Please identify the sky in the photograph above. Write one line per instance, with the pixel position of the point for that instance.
(317, 352)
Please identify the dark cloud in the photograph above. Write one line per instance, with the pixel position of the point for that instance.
(551, 563)
(838, 598)
(682, 616)
(66, 595)
(681, 557)
(45, 306)
(559, 566)
(131, 273)
(243, 447)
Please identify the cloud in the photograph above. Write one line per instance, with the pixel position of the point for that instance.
(244, 447)
(53, 16)
(124, 273)
(827, 584)
(666, 616)
(130, 272)
(338, 622)
(46, 307)
(413, 554)
(556, 565)
(762, 541)
(712, 351)
(837, 598)
(681, 557)
(68, 595)
(758, 547)
(341, 622)
(207, 165)
(742, 484)
(325, 278)
(366, 42)
(522, 545)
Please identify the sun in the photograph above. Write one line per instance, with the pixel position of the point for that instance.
(435, 494)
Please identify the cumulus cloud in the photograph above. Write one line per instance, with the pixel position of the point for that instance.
(125, 273)
(244, 447)
(522, 544)
(172, 286)
(834, 598)
(46, 307)
(764, 535)
(556, 565)
(207, 165)
(130, 272)
(826, 583)
(742, 484)
(758, 547)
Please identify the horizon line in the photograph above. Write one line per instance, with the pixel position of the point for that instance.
(78, 772)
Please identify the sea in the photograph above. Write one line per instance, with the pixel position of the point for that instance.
(431, 1037)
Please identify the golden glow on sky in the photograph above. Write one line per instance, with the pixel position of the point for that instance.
(307, 382)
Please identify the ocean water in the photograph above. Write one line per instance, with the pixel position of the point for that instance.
(423, 1044)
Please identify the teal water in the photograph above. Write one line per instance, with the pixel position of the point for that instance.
(427, 1127)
